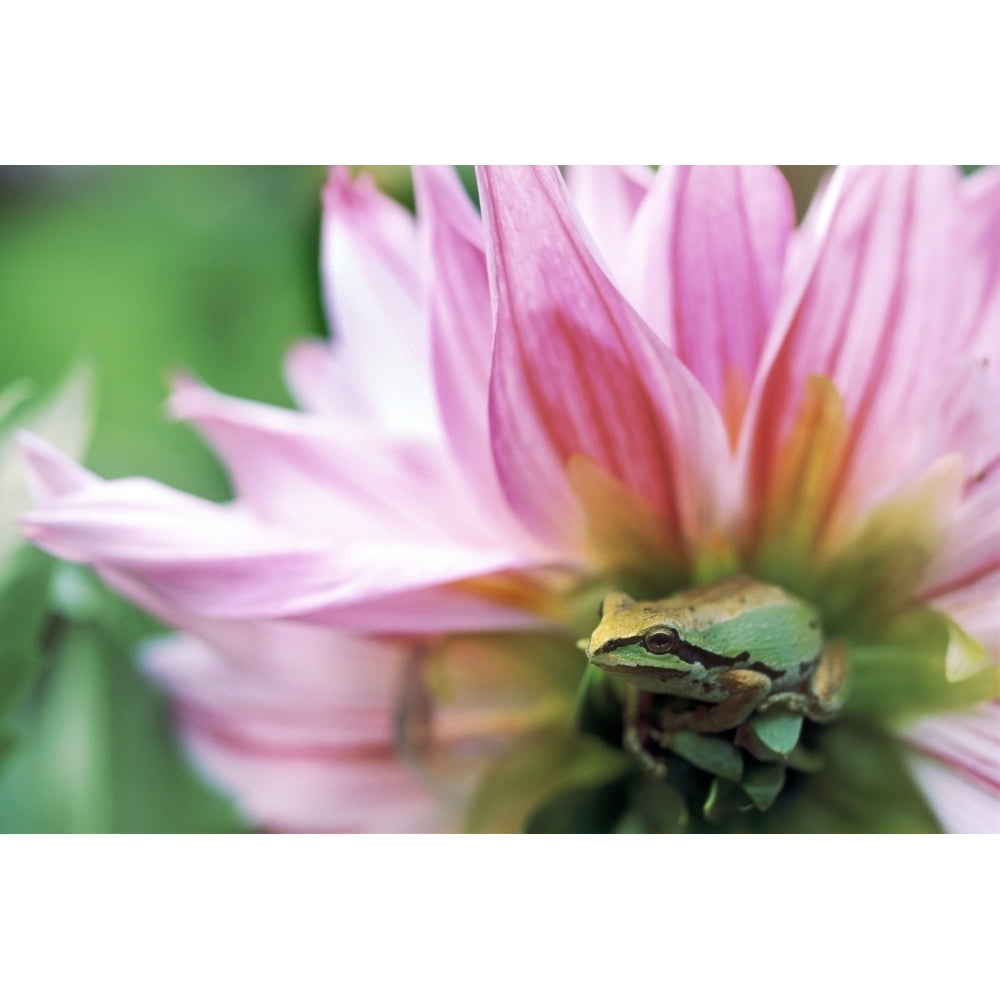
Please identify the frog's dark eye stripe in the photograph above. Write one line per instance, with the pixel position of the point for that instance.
(660, 640)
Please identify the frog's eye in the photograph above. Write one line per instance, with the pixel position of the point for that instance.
(660, 640)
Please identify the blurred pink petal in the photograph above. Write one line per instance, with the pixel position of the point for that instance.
(977, 320)
(326, 477)
(372, 283)
(221, 562)
(577, 373)
(50, 472)
(461, 330)
(320, 384)
(302, 738)
(959, 767)
(607, 198)
(309, 727)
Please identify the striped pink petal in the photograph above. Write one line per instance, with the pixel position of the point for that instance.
(577, 373)
(958, 766)
(302, 738)
(876, 286)
(220, 561)
(461, 330)
(329, 478)
(704, 267)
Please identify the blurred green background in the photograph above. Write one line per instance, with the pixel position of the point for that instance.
(139, 271)
(146, 270)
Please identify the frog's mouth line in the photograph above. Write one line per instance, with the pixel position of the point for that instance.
(688, 653)
(699, 659)
(639, 671)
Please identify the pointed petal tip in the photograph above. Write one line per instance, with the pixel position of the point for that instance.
(441, 200)
(345, 191)
(50, 472)
(184, 387)
(338, 181)
(188, 396)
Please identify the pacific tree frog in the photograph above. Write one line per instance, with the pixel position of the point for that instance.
(728, 649)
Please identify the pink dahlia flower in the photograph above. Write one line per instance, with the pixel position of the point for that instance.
(640, 382)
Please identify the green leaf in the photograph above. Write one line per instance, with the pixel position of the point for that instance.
(762, 784)
(23, 589)
(778, 730)
(98, 754)
(804, 760)
(7, 740)
(724, 800)
(710, 753)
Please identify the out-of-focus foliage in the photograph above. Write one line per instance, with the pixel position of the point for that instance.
(95, 752)
(147, 270)
(64, 418)
(24, 579)
(138, 272)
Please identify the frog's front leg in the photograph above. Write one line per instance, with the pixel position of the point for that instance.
(639, 732)
(746, 688)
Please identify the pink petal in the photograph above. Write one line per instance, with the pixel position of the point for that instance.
(607, 198)
(218, 561)
(971, 549)
(964, 579)
(966, 417)
(321, 383)
(958, 766)
(50, 472)
(299, 725)
(286, 791)
(877, 288)
(307, 726)
(704, 268)
(283, 680)
(962, 413)
(460, 323)
(329, 478)
(372, 283)
(978, 317)
(577, 373)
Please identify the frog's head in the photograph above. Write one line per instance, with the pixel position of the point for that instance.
(634, 638)
(737, 622)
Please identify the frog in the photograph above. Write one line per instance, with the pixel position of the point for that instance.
(722, 652)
